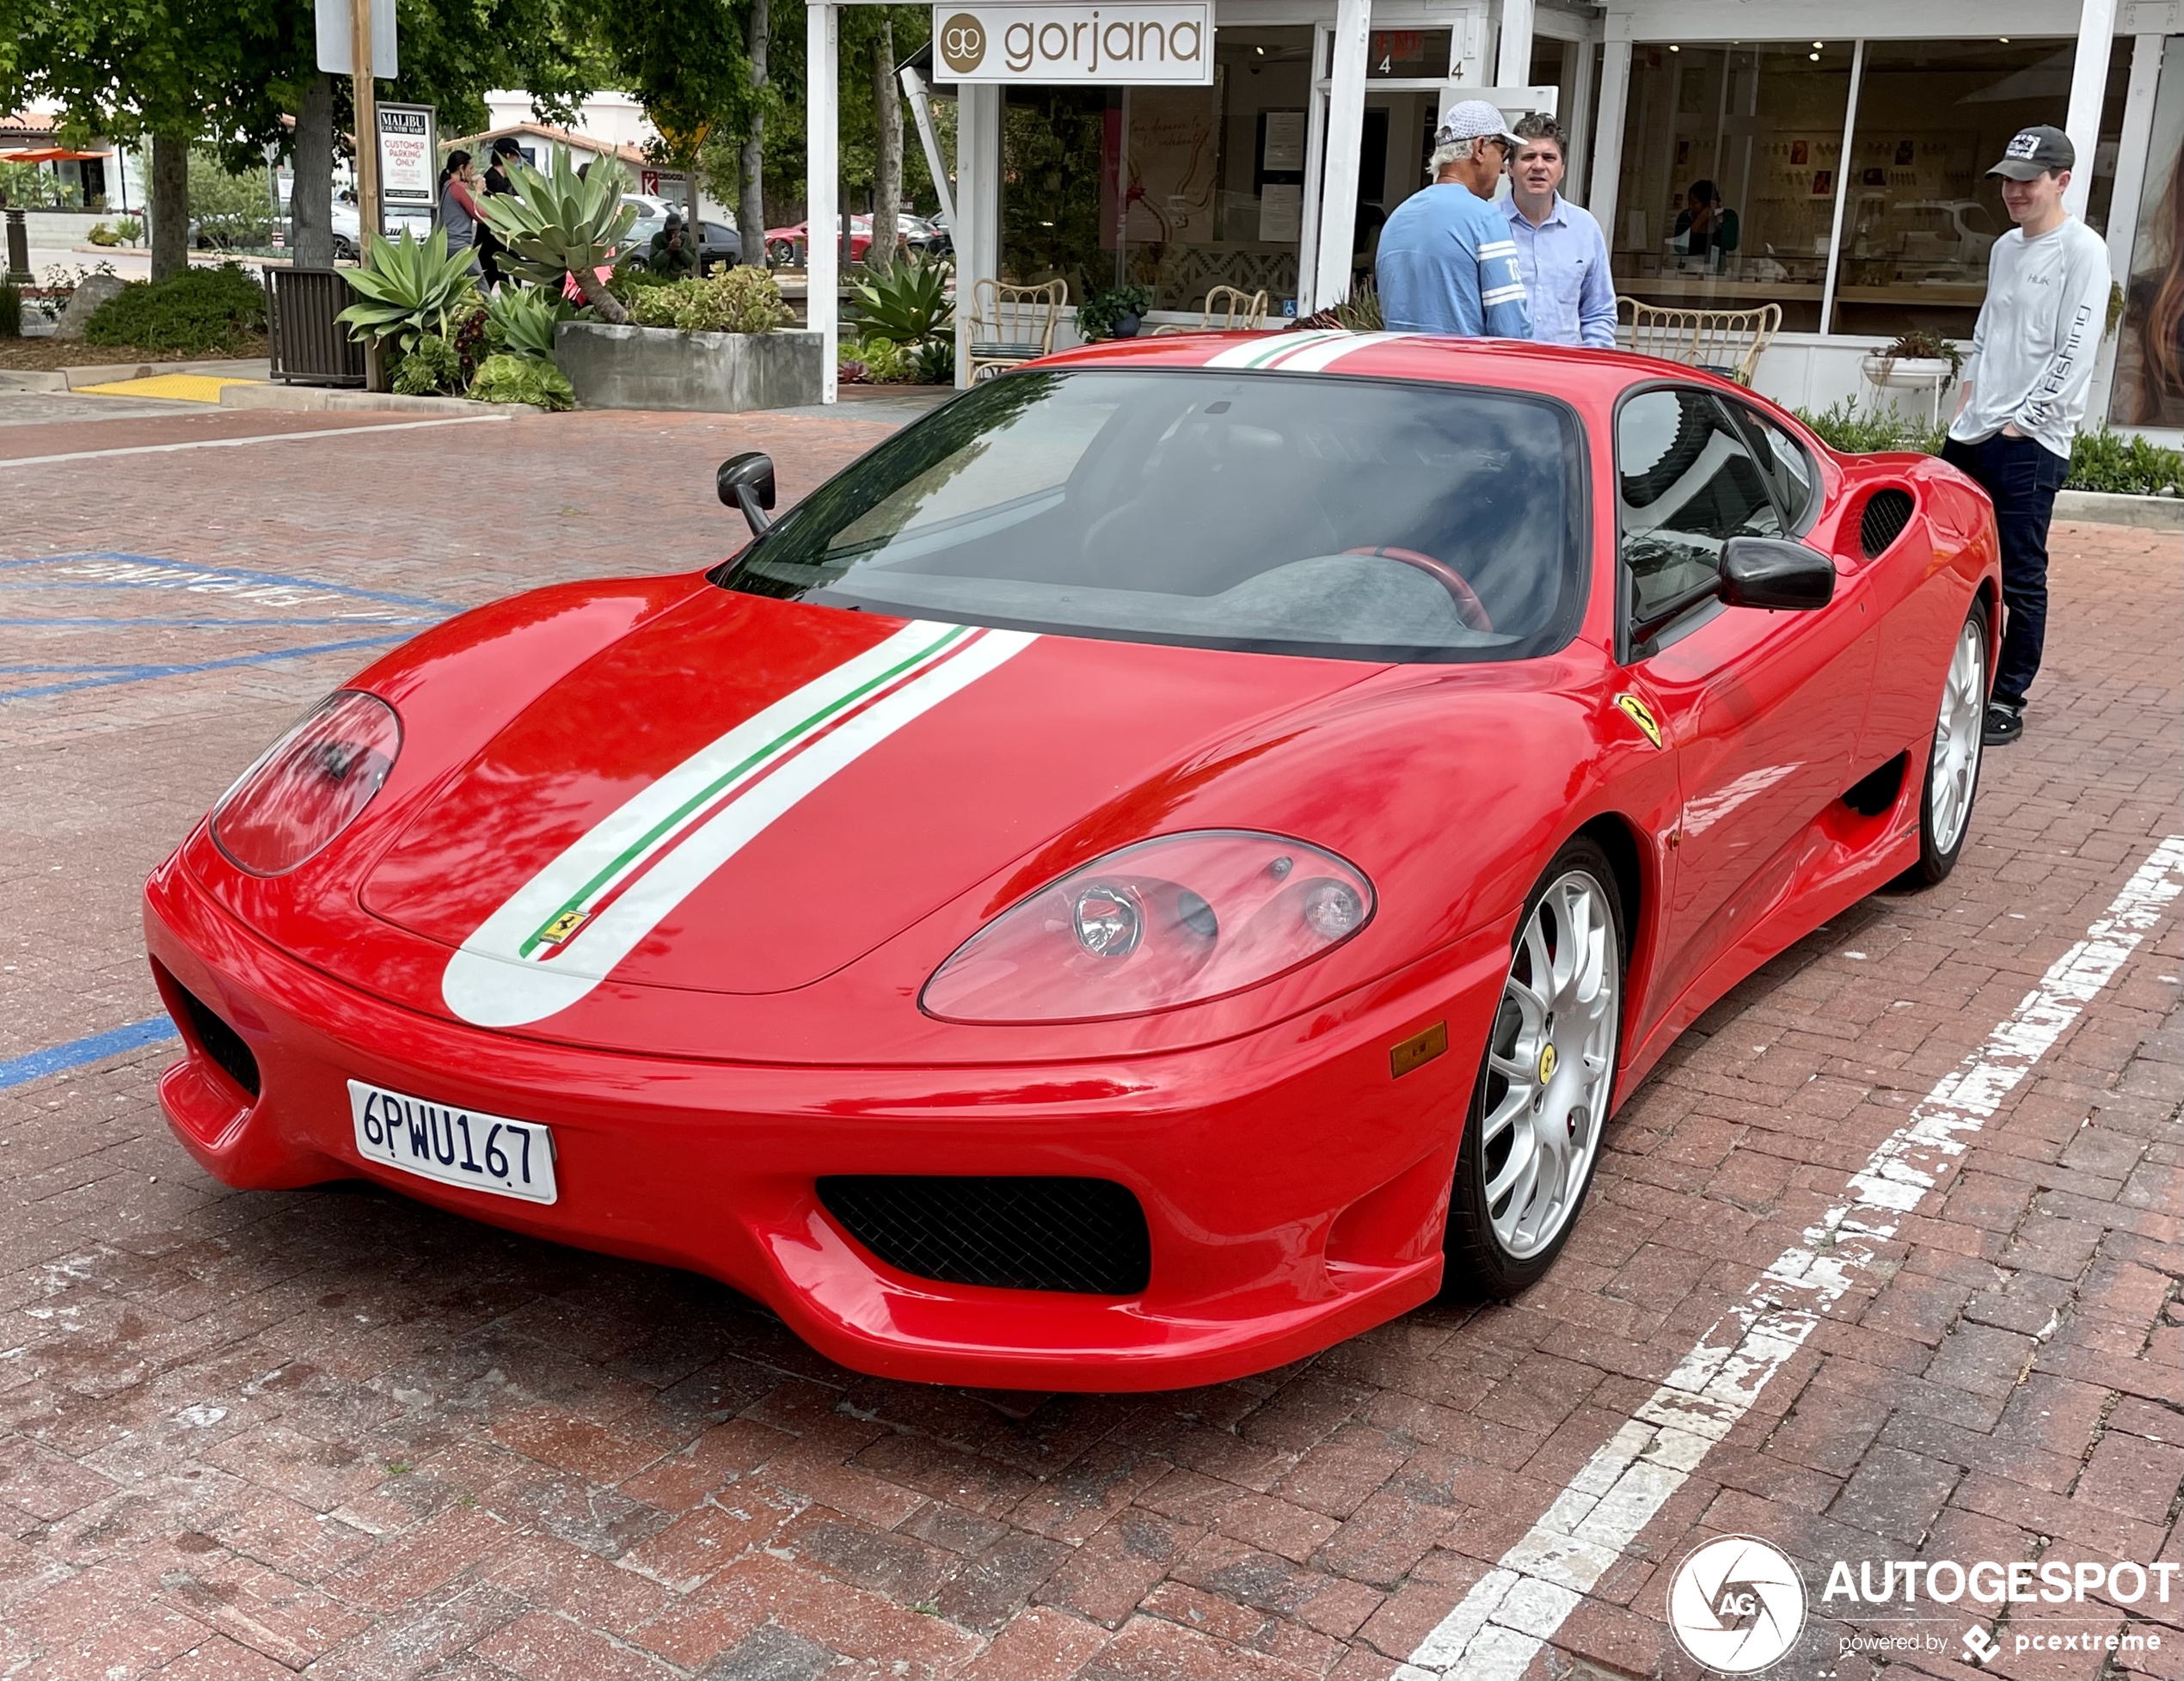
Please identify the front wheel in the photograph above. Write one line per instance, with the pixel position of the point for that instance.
(1532, 1136)
(1952, 766)
(781, 253)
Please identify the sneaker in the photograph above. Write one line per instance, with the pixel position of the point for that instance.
(2005, 723)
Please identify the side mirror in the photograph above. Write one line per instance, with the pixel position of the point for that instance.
(746, 482)
(1770, 572)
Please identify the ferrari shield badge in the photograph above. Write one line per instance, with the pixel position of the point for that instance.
(1640, 714)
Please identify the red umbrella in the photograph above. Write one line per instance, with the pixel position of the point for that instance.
(48, 155)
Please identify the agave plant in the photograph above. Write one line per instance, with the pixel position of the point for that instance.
(527, 316)
(564, 224)
(908, 305)
(409, 290)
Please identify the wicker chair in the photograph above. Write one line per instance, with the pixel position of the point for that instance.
(1227, 309)
(1012, 324)
(1723, 341)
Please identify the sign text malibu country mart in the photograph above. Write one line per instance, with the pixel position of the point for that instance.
(1170, 42)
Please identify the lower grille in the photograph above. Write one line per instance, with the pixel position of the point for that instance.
(214, 1036)
(1082, 1234)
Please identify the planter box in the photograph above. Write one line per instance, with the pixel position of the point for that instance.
(658, 367)
(1917, 373)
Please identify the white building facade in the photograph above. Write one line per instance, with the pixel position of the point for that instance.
(1849, 142)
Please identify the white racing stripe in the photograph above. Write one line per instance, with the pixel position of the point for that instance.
(1498, 1627)
(1313, 351)
(621, 879)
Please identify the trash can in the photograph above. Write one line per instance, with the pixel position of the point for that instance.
(308, 345)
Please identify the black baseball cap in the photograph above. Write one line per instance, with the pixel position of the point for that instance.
(2035, 151)
(505, 146)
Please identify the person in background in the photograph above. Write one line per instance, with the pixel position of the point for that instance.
(2025, 388)
(1560, 248)
(505, 149)
(1446, 262)
(1705, 225)
(459, 217)
(671, 253)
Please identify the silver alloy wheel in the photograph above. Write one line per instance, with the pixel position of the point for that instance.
(1957, 735)
(1551, 1064)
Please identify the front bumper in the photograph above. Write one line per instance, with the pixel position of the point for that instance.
(1294, 1190)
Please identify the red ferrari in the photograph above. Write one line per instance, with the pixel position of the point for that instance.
(1167, 861)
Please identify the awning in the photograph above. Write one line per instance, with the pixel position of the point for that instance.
(48, 155)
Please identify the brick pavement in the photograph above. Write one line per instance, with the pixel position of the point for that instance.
(334, 1432)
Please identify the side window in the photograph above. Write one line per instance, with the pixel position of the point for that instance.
(1789, 469)
(1688, 483)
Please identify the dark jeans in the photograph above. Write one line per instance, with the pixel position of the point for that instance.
(2021, 475)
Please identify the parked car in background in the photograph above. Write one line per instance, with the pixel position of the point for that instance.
(785, 247)
(719, 243)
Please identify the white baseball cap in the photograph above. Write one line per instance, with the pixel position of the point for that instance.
(1473, 119)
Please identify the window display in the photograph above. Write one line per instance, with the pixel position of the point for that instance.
(2150, 349)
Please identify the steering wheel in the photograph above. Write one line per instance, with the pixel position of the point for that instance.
(1468, 607)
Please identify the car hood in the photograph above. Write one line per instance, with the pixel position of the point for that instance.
(743, 796)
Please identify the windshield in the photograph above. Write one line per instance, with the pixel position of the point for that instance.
(1279, 513)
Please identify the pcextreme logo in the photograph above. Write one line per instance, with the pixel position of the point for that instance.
(1736, 1604)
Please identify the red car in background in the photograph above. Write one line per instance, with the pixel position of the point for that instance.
(1164, 863)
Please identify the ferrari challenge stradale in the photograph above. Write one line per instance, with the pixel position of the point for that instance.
(1162, 864)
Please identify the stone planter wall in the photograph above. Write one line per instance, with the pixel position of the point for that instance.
(659, 367)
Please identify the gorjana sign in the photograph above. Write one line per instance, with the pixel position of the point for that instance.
(1169, 43)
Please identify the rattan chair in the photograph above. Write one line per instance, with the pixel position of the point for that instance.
(1227, 309)
(1724, 341)
(1012, 324)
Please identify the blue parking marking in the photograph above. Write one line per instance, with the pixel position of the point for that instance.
(95, 1047)
(380, 618)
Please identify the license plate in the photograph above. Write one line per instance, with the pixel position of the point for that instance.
(480, 1152)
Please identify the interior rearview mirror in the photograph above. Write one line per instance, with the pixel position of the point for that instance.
(1772, 571)
(746, 482)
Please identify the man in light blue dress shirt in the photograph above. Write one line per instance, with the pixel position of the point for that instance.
(1560, 249)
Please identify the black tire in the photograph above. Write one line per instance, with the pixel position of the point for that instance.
(1935, 861)
(781, 253)
(1478, 1267)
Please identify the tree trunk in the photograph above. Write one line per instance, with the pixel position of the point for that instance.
(169, 206)
(750, 202)
(608, 306)
(887, 170)
(311, 199)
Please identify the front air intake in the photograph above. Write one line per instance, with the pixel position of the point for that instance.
(1086, 1235)
(1887, 513)
(205, 1027)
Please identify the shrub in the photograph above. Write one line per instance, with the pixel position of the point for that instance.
(909, 305)
(407, 289)
(526, 317)
(196, 312)
(531, 379)
(564, 224)
(10, 310)
(430, 367)
(735, 300)
(936, 362)
(849, 371)
(229, 210)
(27, 186)
(103, 235)
(1097, 316)
(2124, 466)
(885, 362)
(129, 231)
(1843, 425)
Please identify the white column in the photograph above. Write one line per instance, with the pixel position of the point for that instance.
(2089, 83)
(2132, 159)
(822, 185)
(1603, 175)
(1308, 234)
(1844, 172)
(1345, 134)
(978, 204)
(1577, 122)
(1513, 66)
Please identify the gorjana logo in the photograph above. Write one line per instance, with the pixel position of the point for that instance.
(963, 43)
(1736, 1604)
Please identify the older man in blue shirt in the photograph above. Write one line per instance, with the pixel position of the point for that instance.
(1560, 249)
(1446, 261)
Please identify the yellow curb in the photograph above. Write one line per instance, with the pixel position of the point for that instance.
(175, 387)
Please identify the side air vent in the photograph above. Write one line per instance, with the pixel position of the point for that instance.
(217, 1038)
(1081, 1235)
(1888, 510)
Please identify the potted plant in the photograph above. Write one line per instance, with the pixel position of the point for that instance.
(1116, 313)
(1920, 358)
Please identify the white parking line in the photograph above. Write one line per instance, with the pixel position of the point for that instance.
(255, 438)
(1516, 1608)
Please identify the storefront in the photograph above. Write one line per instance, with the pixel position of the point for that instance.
(1840, 172)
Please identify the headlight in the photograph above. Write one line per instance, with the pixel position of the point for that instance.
(1164, 923)
(311, 785)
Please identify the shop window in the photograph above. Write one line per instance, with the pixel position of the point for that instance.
(1177, 189)
(1921, 212)
(1729, 163)
(2150, 348)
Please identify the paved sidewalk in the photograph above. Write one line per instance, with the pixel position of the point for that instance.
(339, 1433)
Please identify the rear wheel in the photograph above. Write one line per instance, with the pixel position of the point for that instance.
(781, 253)
(1952, 766)
(1531, 1138)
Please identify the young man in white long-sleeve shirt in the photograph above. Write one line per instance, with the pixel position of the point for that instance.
(2025, 388)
